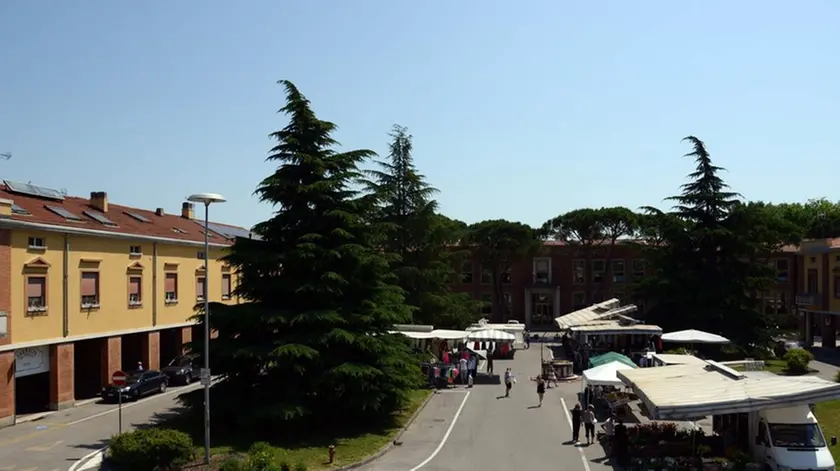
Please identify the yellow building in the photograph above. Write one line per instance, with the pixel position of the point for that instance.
(819, 290)
(88, 288)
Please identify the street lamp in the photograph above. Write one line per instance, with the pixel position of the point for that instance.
(206, 199)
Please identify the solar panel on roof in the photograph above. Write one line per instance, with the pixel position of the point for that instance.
(33, 190)
(63, 213)
(139, 217)
(18, 210)
(227, 232)
(99, 217)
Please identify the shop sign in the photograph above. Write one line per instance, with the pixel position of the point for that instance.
(32, 360)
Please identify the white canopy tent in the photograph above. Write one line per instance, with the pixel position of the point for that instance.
(490, 335)
(445, 334)
(606, 374)
(693, 336)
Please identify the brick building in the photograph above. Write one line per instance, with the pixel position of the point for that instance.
(558, 280)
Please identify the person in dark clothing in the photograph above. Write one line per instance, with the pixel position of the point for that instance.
(490, 363)
(540, 389)
(576, 418)
(620, 442)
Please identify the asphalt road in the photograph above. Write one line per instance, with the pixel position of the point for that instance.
(59, 439)
(476, 429)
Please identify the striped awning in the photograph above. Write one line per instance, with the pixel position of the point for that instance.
(491, 335)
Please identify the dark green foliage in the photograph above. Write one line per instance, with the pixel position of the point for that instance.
(420, 238)
(500, 244)
(797, 360)
(150, 448)
(310, 343)
(709, 258)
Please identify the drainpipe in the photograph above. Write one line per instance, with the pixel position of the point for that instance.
(154, 284)
(65, 288)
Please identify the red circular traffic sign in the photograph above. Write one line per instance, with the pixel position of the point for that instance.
(119, 378)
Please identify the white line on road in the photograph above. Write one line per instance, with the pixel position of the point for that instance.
(132, 404)
(446, 435)
(580, 449)
(84, 459)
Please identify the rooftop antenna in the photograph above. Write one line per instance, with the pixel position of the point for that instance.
(6, 155)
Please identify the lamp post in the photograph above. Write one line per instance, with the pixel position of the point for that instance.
(206, 199)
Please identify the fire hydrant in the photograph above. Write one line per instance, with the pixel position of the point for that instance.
(332, 454)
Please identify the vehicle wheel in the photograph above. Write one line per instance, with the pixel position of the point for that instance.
(162, 388)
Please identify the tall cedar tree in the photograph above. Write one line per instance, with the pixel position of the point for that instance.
(311, 341)
(700, 256)
(420, 237)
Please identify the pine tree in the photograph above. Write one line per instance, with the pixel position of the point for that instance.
(702, 255)
(420, 237)
(311, 341)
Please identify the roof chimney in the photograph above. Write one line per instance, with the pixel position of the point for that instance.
(159, 212)
(99, 200)
(187, 211)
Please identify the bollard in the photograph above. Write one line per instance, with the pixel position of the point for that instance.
(833, 440)
(332, 454)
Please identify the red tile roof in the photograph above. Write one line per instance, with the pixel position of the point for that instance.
(169, 226)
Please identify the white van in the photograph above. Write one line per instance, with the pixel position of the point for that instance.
(789, 439)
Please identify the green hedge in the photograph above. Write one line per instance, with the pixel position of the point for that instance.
(797, 360)
(146, 449)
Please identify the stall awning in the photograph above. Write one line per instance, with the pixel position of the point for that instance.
(490, 335)
(414, 335)
(676, 359)
(694, 336)
(606, 374)
(610, 357)
(615, 327)
(445, 334)
(687, 391)
(585, 315)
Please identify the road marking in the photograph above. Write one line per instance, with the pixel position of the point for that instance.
(125, 406)
(580, 449)
(44, 447)
(30, 469)
(446, 435)
(83, 460)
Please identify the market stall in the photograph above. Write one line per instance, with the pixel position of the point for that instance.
(498, 342)
(602, 387)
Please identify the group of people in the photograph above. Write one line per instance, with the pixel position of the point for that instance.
(614, 430)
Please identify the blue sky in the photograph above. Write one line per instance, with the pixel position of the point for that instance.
(520, 110)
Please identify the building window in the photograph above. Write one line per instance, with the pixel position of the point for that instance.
(639, 268)
(486, 304)
(837, 287)
(578, 301)
(467, 273)
(171, 288)
(135, 291)
(542, 270)
(486, 274)
(90, 289)
(782, 267)
(542, 309)
(36, 295)
(199, 287)
(506, 276)
(508, 303)
(599, 268)
(618, 271)
(579, 271)
(199, 255)
(812, 281)
(37, 243)
(226, 286)
(135, 250)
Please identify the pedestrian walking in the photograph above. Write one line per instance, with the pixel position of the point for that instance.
(620, 443)
(576, 418)
(509, 380)
(139, 366)
(589, 424)
(540, 389)
(472, 365)
(489, 362)
(609, 431)
(462, 369)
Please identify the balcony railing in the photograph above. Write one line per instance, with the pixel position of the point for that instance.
(807, 299)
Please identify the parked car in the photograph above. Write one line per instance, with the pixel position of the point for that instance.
(181, 370)
(138, 384)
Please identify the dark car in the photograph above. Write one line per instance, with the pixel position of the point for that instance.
(181, 370)
(138, 384)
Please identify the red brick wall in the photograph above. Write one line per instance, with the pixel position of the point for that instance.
(6, 282)
(111, 357)
(151, 350)
(61, 376)
(7, 388)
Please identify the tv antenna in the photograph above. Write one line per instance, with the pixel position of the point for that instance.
(6, 155)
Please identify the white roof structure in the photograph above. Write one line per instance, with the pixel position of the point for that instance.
(616, 327)
(413, 335)
(693, 336)
(605, 375)
(490, 335)
(445, 334)
(674, 359)
(686, 391)
(582, 316)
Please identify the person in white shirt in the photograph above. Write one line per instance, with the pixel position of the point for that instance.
(462, 369)
(509, 380)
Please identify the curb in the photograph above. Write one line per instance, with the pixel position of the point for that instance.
(90, 461)
(389, 445)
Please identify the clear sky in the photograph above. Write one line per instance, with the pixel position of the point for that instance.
(520, 110)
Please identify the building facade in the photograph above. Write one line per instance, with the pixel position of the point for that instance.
(561, 279)
(88, 288)
(818, 295)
